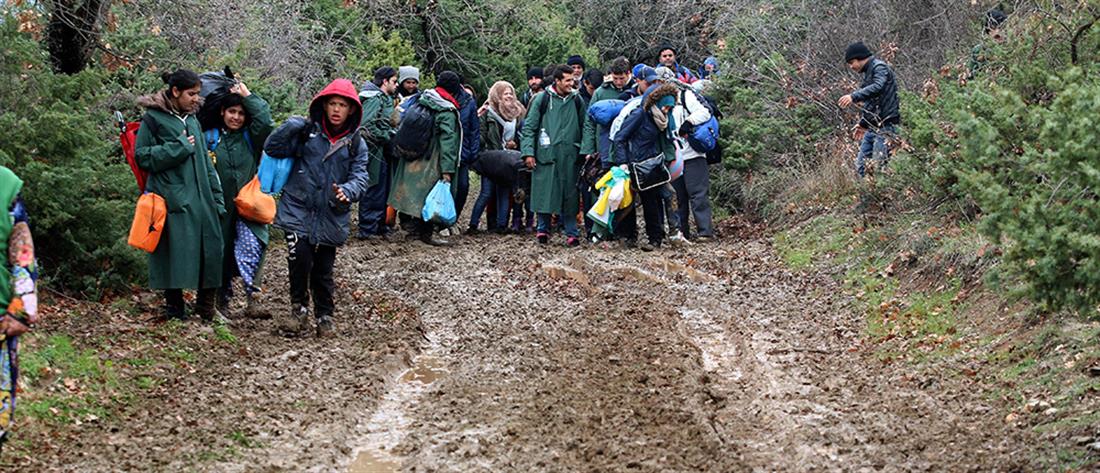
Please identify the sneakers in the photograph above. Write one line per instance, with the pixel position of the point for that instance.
(677, 239)
(295, 321)
(572, 242)
(325, 327)
(543, 238)
(647, 246)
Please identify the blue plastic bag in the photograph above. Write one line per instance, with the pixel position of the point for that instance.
(439, 207)
(705, 137)
(605, 111)
(273, 173)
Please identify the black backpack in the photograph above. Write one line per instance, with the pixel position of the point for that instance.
(414, 135)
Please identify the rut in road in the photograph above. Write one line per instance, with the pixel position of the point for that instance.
(710, 358)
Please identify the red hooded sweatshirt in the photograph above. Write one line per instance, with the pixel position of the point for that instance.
(342, 88)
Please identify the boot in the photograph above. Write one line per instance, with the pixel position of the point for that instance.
(325, 327)
(207, 308)
(253, 309)
(173, 305)
(294, 321)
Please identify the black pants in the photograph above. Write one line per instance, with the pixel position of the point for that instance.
(310, 268)
(653, 209)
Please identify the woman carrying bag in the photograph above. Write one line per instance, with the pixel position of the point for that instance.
(236, 124)
(170, 148)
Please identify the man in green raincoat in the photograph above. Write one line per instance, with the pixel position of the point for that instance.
(550, 144)
(413, 180)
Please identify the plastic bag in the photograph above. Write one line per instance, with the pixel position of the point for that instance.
(148, 224)
(439, 207)
(254, 205)
(676, 168)
(274, 173)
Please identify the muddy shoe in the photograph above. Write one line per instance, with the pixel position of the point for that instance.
(294, 321)
(253, 309)
(543, 238)
(214, 317)
(647, 246)
(432, 240)
(630, 243)
(705, 239)
(572, 242)
(325, 328)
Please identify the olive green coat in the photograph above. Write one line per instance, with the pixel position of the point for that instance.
(189, 255)
(413, 180)
(376, 127)
(236, 165)
(554, 180)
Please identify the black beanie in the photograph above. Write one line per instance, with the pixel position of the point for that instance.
(857, 50)
(534, 72)
(575, 60)
(450, 82)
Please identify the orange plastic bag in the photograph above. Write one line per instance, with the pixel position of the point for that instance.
(148, 223)
(391, 216)
(253, 205)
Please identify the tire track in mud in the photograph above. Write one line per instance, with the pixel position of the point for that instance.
(710, 358)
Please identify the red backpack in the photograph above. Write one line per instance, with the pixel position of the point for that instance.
(128, 137)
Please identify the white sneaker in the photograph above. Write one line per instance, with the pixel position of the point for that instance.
(677, 239)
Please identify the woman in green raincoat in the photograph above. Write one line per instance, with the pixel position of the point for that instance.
(169, 147)
(237, 124)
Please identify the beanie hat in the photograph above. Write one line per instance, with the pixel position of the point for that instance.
(408, 72)
(994, 18)
(666, 101)
(534, 72)
(450, 82)
(575, 60)
(857, 50)
(665, 74)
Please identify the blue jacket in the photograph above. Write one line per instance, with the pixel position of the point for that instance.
(308, 205)
(471, 127)
(639, 138)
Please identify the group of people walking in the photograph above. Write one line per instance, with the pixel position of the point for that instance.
(544, 157)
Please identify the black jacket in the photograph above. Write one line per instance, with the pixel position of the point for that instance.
(879, 95)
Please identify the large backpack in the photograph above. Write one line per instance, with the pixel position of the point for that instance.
(704, 138)
(413, 139)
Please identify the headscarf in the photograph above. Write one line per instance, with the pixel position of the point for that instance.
(508, 108)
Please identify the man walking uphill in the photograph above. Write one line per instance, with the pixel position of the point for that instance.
(377, 129)
(550, 145)
(879, 95)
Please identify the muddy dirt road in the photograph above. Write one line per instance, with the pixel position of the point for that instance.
(500, 355)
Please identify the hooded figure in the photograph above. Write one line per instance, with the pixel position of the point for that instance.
(189, 255)
(710, 69)
(647, 132)
(329, 173)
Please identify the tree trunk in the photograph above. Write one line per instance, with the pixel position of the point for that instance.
(72, 33)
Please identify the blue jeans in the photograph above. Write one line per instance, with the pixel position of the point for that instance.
(500, 195)
(372, 207)
(874, 147)
(570, 222)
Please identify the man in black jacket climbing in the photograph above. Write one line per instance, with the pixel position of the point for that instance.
(878, 94)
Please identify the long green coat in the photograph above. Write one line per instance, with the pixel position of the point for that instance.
(236, 166)
(413, 180)
(189, 255)
(377, 127)
(554, 180)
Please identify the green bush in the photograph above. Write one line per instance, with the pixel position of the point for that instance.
(79, 192)
(1034, 168)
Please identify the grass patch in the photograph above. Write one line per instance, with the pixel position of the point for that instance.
(224, 334)
(813, 243)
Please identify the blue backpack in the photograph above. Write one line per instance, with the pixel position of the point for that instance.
(705, 137)
(605, 111)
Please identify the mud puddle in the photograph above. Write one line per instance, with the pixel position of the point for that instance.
(389, 424)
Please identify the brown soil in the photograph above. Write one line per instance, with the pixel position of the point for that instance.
(708, 358)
